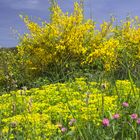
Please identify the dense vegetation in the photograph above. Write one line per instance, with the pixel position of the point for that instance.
(73, 110)
(68, 80)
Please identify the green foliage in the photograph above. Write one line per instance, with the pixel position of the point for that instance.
(7, 69)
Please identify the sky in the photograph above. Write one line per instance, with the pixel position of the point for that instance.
(100, 10)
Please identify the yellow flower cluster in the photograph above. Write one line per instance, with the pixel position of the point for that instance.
(106, 52)
(69, 38)
(64, 38)
(45, 107)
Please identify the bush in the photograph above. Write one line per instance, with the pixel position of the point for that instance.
(69, 43)
(7, 69)
(58, 46)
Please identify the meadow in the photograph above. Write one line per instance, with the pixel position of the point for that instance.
(68, 80)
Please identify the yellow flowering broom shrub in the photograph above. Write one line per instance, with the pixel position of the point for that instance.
(56, 44)
(69, 41)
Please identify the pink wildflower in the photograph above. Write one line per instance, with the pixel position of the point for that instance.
(134, 116)
(116, 116)
(105, 122)
(72, 121)
(63, 129)
(125, 104)
(138, 121)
